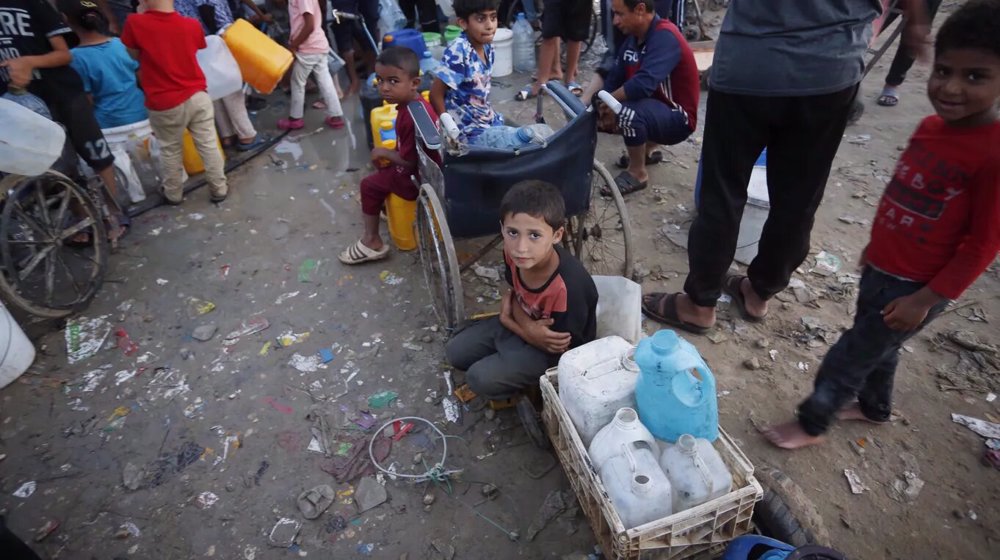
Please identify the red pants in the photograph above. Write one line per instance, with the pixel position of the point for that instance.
(376, 187)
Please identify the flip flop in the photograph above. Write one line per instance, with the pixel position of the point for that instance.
(652, 158)
(360, 253)
(886, 100)
(575, 88)
(525, 94)
(253, 145)
(626, 184)
(312, 503)
(732, 287)
(662, 308)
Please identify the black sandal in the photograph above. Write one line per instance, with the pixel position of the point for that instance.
(887, 100)
(732, 286)
(652, 158)
(626, 184)
(662, 308)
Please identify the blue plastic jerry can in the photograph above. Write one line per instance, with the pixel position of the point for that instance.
(675, 393)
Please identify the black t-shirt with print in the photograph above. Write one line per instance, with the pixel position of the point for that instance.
(25, 28)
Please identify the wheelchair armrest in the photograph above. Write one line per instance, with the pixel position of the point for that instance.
(570, 103)
(426, 128)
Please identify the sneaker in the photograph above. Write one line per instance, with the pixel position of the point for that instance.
(291, 124)
(335, 123)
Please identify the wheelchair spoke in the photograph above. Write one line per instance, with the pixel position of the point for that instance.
(27, 220)
(37, 258)
(43, 205)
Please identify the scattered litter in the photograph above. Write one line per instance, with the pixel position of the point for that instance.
(325, 355)
(282, 408)
(852, 220)
(366, 549)
(306, 270)
(382, 400)
(859, 139)
(803, 366)
(126, 530)
(827, 264)
(982, 427)
(123, 376)
(132, 476)
(290, 338)
(390, 278)
(284, 532)
(204, 333)
(487, 273)
(285, 297)
(990, 397)
(907, 489)
(206, 500)
(315, 446)
(773, 354)
(717, 336)
(250, 326)
(200, 306)
(369, 494)
(265, 349)
(413, 347)
(85, 337)
(26, 489)
(305, 364)
(46, 530)
(452, 412)
(752, 364)
(857, 487)
(195, 408)
(162, 282)
(312, 503)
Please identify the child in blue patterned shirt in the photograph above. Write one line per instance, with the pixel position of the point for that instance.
(462, 81)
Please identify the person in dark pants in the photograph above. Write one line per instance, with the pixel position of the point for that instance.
(936, 230)
(424, 10)
(786, 80)
(901, 63)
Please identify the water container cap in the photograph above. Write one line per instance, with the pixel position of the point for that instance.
(626, 416)
(427, 54)
(686, 443)
(386, 125)
(520, 16)
(665, 341)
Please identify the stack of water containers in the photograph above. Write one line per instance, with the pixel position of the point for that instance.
(648, 415)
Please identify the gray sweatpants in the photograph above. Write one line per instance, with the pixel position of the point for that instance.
(498, 364)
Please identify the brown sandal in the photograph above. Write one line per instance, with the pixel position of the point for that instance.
(662, 308)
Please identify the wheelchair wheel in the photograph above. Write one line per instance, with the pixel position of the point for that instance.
(437, 257)
(602, 237)
(40, 272)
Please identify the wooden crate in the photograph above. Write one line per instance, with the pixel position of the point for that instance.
(700, 531)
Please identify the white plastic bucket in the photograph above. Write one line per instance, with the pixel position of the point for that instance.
(619, 308)
(222, 73)
(754, 215)
(29, 142)
(503, 52)
(16, 351)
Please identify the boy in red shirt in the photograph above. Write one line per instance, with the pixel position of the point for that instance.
(936, 229)
(165, 42)
(397, 72)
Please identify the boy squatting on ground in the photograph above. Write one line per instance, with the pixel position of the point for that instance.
(550, 308)
(462, 81)
(397, 73)
(936, 229)
(165, 42)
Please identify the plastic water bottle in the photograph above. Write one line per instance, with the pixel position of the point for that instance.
(675, 393)
(524, 45)
(427, 63)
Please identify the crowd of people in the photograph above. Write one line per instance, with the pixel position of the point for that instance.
(784, 80)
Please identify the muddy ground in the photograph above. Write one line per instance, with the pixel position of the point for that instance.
(233, 417)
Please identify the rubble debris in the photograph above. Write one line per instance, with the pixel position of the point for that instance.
(382, 399)
(206, 500)
(907, 488)
(26, 490)
(46, 530)
(983, 428)
(369, 494)
(313, 502)
(752, 364)
(857, 487)
(827, 264)
(557, 502)
(204, 333)
(284, 532)
(85, 337)
(132, 476)
(126, 530)
(250, 326)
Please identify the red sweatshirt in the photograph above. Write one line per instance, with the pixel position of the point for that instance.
(939, 219)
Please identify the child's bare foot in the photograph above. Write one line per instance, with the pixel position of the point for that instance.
(790, 435)
(853, 412)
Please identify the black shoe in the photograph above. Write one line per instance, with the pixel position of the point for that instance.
(256, 103)
(217, 199)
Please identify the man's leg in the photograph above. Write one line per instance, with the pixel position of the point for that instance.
(201, 123)
(735, 134)
(645, 123)
(800, 152)
(427, 10)
(169, 127)
(901, 64)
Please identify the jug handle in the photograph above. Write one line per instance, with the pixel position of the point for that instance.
(627, 448)
(703, 471)
(619, 360)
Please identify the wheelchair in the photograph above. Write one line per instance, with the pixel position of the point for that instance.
(460, 199)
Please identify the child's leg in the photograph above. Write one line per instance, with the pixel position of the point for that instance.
(169, 128)
(201, 124)
(473, 343)
(515, 366)
(223, 123)
(321, 72)
(235, 113)
(300, 73)
(375, 188)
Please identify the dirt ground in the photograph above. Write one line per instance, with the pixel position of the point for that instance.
(175, 418)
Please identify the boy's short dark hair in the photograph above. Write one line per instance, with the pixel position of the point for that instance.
(403, 58)
(975, 25)
(465, 8)
(633, 4)
(535, 198)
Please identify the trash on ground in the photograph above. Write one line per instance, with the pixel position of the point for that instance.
(487, 273)
(369, 494)
(366, 549)
(556, 503)
(390, 278)
(206, 500)
(325, 355)
(289, 338)
(132, 476)
(306, 270)
(982, 427)
(282, 408)
(46, 530)
(26, 489)
(200, 306)
(313, 502)
(204, 333)
(126, 530)
(907, 489)
(285, 297)
(382, 399)
(827, 264)
(305, 364)
(85, 337)
(248, 327)
(284, 532)
(857, 487)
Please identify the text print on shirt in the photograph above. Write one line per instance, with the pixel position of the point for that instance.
(16, 23)
(919, 193)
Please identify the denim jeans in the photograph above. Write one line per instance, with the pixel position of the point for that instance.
(863, 362)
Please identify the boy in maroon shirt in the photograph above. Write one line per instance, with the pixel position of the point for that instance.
(936, 230)
(165, 42)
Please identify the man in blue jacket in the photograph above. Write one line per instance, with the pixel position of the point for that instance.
(656, 80)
